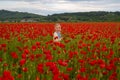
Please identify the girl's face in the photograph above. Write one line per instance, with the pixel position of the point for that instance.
(58, 28)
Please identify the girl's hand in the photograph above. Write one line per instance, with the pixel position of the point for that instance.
(61, 38)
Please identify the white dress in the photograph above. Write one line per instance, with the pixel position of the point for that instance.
(56, 37)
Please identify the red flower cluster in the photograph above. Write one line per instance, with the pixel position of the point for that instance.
(7, 75)
(48, 54)
(40, 67)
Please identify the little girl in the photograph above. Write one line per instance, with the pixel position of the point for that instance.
(57, 34)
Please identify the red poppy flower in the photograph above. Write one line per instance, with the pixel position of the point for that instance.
(14, 55)
(24, 69)
(22, 62)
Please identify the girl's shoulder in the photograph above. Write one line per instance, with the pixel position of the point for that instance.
(55, 33)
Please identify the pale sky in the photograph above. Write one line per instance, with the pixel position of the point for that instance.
(45, 7)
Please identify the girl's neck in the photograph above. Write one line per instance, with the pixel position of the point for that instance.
(58, 31)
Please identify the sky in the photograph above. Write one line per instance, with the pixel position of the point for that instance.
(49, 7)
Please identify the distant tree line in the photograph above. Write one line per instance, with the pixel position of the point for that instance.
(99, 16)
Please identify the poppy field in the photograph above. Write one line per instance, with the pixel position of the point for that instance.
(88, 51)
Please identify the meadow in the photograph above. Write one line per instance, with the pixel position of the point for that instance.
(88, 51)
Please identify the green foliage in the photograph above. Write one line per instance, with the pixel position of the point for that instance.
(18, 16)
(99, 16)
